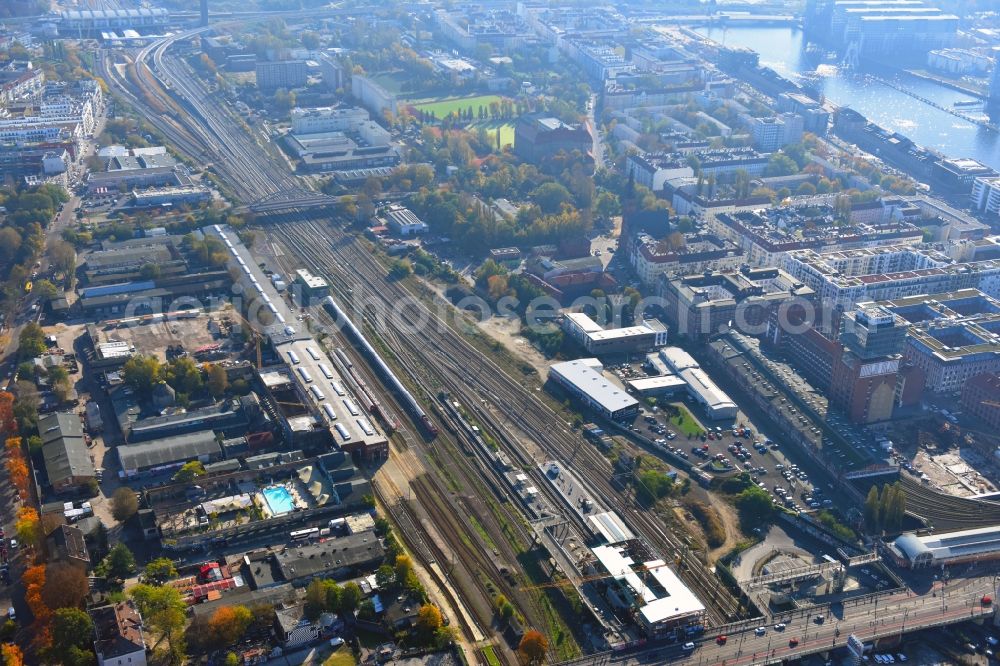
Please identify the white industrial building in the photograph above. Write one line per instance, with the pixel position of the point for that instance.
(584, 379)
(662, 602)
(775, 132)
(403, 221)
(667, 384)
(327, 119)
(700, 386)
(598, 340)
(306, 366)
(372, 96)
(88, 20)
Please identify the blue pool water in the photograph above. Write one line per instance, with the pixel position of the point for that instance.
(278, 499)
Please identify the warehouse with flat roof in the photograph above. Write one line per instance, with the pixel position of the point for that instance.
(700, 386)
(596, 339)
(161, 455)
(584, 379)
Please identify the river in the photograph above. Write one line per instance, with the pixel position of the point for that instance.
(782, 50)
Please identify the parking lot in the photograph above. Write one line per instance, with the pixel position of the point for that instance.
(725, 448)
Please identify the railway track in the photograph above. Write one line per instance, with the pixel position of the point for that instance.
(469, 374)
(476, 379)
(492, 542)
(947, 512)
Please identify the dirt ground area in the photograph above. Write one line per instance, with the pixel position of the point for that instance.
(505, 331)
(731, 522)
(153, 338)
(956, 472)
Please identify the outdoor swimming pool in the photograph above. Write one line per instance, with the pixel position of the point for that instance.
(279, 500)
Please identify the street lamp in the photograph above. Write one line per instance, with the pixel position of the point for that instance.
(878, 590)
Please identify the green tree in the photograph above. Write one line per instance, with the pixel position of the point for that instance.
(350, 597)
(44, 290)
(550, 197)
(651, 485)
(400, 269)
(805, 189)
(284, 100)
(184, 375)
(504, 608)
(164, 611)
(755, 507)
(159, 571)
(366, 611)
(150, 272)
(315, 599)
(31, 341)
(189, 472)
(385, 577)
(781, 165)
(124, 504)
(218, 381)
(872, 510)
(72, 631)
(334, 593)
(119, 563)
(310, 39)
(141, 373)
(607, 205)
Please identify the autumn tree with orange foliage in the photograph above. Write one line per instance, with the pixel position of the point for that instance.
(66, 585)
(17, 465)
(8, 424)
(11, 654)
(28, 526)
(34, 587)
(533, 647)
(227, 625)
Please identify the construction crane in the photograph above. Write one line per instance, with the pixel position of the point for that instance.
(253, 332)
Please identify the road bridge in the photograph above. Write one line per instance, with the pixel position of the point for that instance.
(291, 199)
(885, 616)
(794, 574)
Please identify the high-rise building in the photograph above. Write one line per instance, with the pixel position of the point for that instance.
(994, 97)
(869, 379)
(286, 74)
(872, 332)
(771, 133)
(898, 29)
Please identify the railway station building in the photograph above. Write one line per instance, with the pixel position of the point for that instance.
(660, 602)
(918, 552)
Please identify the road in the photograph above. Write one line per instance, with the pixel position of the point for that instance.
(253, 173)
(888, 615)
(595, 130)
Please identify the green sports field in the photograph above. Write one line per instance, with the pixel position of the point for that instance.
(505, 127)
(442, 107)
